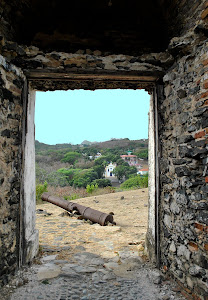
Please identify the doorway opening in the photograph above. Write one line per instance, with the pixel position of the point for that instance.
(99, 161)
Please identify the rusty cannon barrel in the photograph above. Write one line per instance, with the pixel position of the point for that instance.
(87, 212)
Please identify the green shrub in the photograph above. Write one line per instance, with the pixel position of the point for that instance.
(102, 182)
(135, 182)
(40, 189)
(91, 188)
(72, 197)
(145, 181)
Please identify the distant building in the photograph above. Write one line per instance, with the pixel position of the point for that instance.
(143, 171)
(98, 155)
(132, 160)
(109, 170)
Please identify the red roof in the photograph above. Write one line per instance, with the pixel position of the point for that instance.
(144, 170)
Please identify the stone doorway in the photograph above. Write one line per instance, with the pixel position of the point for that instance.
(30, 239)
(130, 207)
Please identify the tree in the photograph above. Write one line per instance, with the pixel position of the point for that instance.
(121, 162)
(68, 174)
(41, 174)
(131, 171)
(84, 177)
(120, 171)
(142, 154)
(71, 157)
(100, 170)
(101, 161)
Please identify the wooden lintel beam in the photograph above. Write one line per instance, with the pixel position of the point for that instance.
(96, 77)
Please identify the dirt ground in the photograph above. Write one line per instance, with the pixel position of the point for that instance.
(84, 261)
(68, 235)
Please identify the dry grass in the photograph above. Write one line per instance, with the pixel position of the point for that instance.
(69, 191)
(130, 210)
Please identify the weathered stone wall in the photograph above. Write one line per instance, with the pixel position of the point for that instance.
(183, 133)
(12, 81)
(181, 15)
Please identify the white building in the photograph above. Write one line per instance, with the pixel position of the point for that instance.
(109, 170)
(143, 172)
(98, 155)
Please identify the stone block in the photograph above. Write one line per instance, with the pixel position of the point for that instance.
(181, 93)
(195, 196)
(185, 151)
(182, 171)
(184, 139)
(203, 217)
(190, 282)
(168, 221)
(174, 208)
(196, 271)
(179, 161)
(204, 14)
(183, 251)
(172, 247)
(97, 53)
(199, 227)
(203, 205)
(193, 246)
(206, 4)
(191, 128)
(180, 198)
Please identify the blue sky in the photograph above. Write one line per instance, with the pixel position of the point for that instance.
(74, 116)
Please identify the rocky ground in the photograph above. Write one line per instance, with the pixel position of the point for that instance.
(84, 261)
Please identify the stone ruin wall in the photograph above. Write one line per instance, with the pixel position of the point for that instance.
(11, 86)
(183, 131)
(183, 134)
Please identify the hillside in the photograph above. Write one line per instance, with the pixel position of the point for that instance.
(124, 144)
(81, 165)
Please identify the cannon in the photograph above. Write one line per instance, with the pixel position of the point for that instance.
(87, 212)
